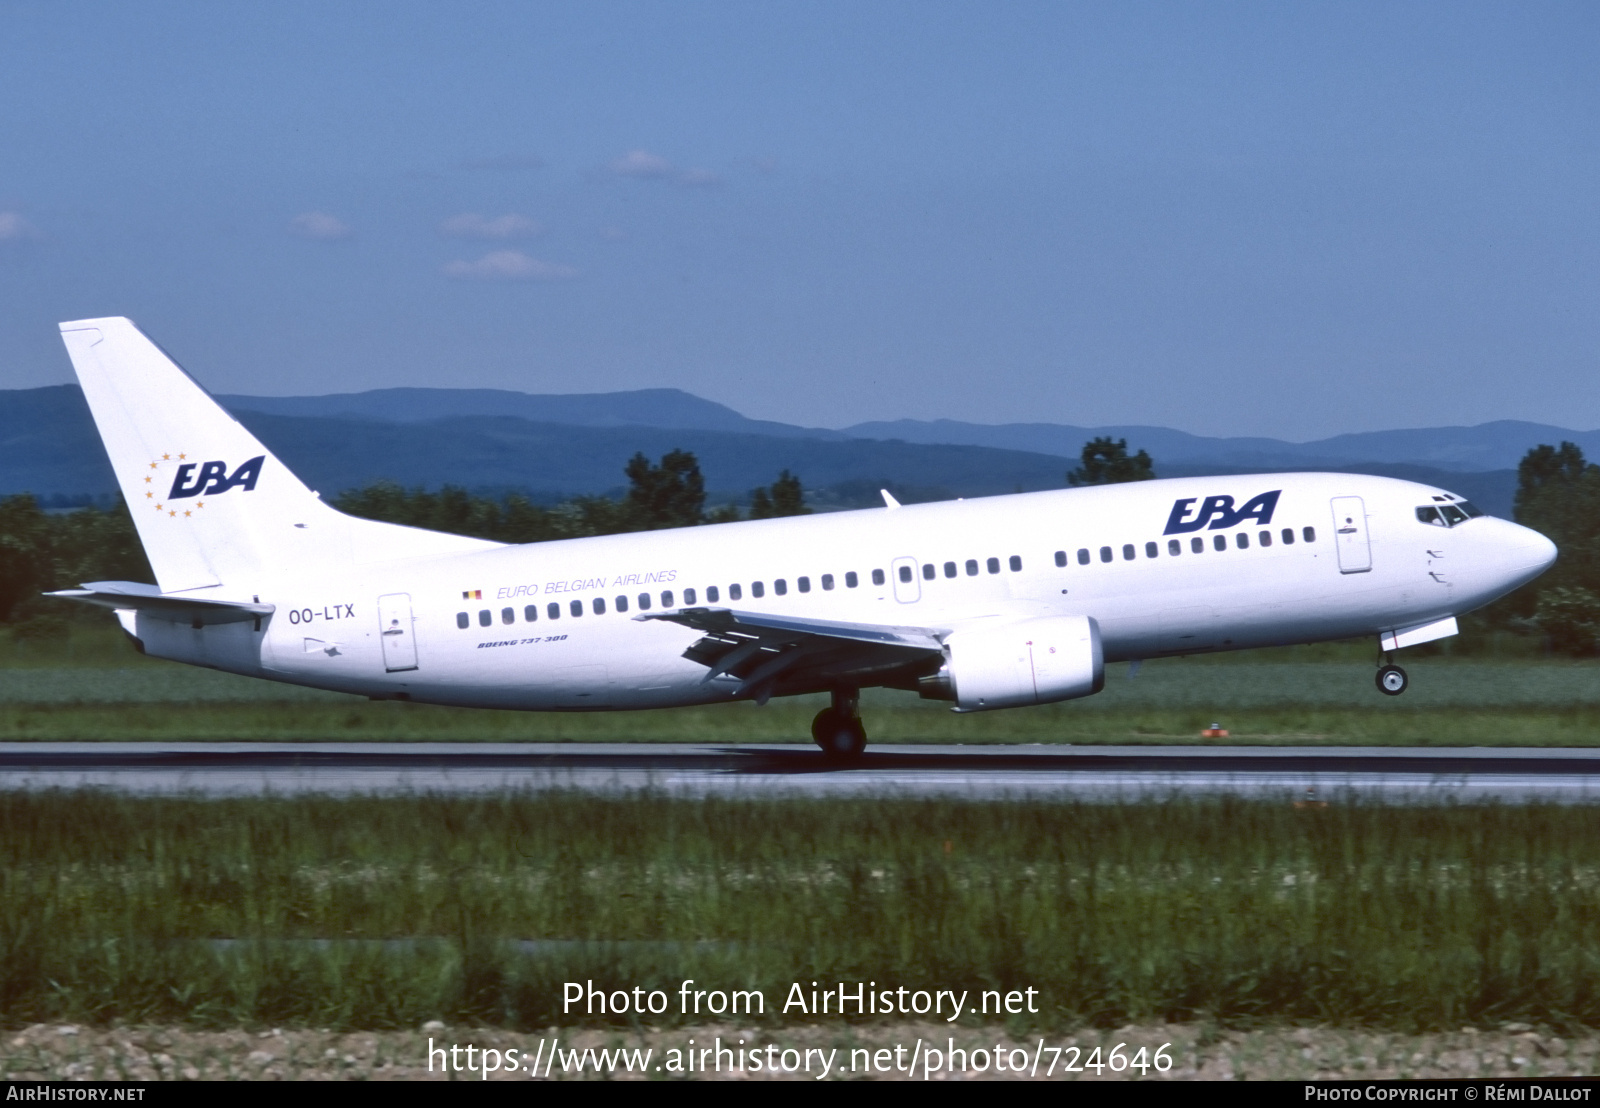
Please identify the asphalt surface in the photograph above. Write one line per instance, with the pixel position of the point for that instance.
(1396, 774)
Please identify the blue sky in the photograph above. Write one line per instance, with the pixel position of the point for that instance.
(1290, 220)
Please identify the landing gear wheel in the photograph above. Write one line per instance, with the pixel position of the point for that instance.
(841, 737)
(1392, 680)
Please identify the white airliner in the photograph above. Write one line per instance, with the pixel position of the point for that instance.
(991, 603)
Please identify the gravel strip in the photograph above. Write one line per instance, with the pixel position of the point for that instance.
(159, 1053)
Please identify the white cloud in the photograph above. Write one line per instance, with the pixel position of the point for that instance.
(653, 167)
(509, 265)
(13, 228)
(319, 225)
(471, 225)
(640, 163)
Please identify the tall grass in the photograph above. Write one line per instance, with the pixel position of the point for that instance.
(378, 913)
(92, 686)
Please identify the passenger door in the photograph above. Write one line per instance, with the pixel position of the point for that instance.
(1350, 534)
(395, 629)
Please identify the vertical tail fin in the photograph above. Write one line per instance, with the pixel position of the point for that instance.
(213, 506)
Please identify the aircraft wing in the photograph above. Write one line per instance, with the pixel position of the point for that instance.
(783, 655)
(177, 607)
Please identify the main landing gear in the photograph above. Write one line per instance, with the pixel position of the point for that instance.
(838, 730)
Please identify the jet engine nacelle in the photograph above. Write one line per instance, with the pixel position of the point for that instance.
(1029, 661)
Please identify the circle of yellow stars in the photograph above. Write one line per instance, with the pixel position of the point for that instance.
(172, 513)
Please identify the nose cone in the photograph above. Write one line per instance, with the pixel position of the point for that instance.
(1535, 551)
(1524, 553)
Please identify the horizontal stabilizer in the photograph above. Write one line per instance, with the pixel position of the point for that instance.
(134, 596)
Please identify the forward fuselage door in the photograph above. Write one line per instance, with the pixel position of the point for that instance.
(1350, 534)
(907, 589)
(394, 626)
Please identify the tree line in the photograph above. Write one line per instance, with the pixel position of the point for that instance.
(669, 493)
(1558, 494)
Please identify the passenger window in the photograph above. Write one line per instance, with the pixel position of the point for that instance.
(1174, 547)
(757, 589)
(688, 595)
(804, 583)
(1061, 557)
(1242, 540)
(577, 608)
(1288, 536)
(553, 610)
(1128, 552)
(735, 592)
(781, 587)
(1220, 542)
(949, 569)
(1083, 555)
(1309, 534)
(1015, 564)
(827, 582)
(1197, 544)
(1151, 550)
(666, 599)
(851, 580)
(622, 603)
(877, 577)
(992, 565)
(484, 618)
(972, 567)
(508, 615)
(905, 573)
(1105, 553)
(712, 595)
(644, 601)
(599, 605)
(929, 571)
(462, 619)
(1266, 538)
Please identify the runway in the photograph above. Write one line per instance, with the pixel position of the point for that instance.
(1393, 774)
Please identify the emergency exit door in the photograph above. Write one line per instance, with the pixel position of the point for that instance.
(394, 627)
(907, 588)
(1350, 534)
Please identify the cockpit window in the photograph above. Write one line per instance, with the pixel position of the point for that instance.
(1448, 515)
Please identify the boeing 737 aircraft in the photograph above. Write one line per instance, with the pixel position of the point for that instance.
(991, 603)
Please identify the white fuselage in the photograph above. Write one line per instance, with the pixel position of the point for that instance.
(328, 629)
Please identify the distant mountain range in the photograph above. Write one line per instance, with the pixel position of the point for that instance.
(560, 445)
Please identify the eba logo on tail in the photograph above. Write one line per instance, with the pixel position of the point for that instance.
(1220, 513)
(214, 478)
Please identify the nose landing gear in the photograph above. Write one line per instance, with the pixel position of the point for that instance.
(838, 730)
(1392, 680)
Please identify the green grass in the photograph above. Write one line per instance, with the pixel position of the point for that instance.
(1229, 911)
(92, 686)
